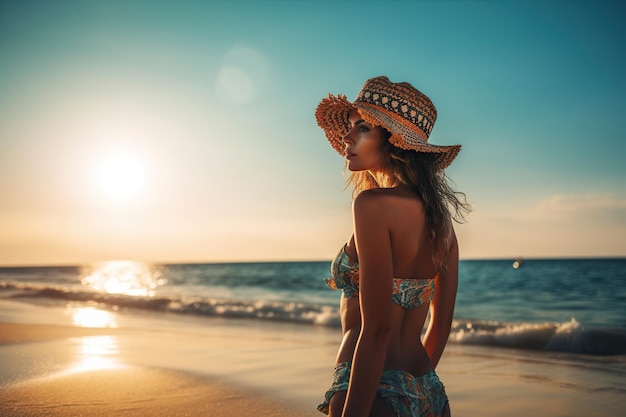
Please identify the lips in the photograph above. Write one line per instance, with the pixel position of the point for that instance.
(350, 155)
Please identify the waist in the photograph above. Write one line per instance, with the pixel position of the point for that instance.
(404, 353)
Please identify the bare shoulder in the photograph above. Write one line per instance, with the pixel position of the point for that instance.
(387, 201)
(375, 201)
(371, 196)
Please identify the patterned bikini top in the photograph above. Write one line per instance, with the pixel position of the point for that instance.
(408, 293)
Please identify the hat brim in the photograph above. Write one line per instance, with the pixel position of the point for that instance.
(333, 113)
(332, 116)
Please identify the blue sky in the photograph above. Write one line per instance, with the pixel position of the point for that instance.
(215, 102)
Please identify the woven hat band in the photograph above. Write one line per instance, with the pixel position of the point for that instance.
(409, 106)
(375, 115)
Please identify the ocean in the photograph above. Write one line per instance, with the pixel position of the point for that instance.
(556, 305)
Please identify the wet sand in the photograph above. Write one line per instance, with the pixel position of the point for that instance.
(136, 392)
(146, 364)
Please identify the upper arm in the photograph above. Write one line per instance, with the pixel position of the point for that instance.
(446, 285)
(442, 306)
(373, 243)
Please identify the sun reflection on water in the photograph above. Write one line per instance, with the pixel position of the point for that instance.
(101, 352)
(92, 317)
(95, 353)
(124, 277)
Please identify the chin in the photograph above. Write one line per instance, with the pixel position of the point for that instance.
(354, 167)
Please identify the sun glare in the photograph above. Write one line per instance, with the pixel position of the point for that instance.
(95, 353)
(92, 317)
(124, 277)
(122, 176)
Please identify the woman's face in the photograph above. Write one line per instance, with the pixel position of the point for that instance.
(364, 144)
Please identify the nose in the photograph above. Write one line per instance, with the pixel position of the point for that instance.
(348, 137)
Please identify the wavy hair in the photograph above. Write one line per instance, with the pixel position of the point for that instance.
(420, 172)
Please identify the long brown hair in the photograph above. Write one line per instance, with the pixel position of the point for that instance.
(421, 173)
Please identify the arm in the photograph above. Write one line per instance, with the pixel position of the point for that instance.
(442, 306)
(373, 244)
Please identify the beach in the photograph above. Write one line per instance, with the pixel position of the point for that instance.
(55, 363)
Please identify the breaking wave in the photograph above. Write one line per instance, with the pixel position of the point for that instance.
(571, 336)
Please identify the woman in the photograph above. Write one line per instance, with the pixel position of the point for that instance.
(402, 259)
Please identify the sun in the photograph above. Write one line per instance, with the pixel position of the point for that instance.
(122, 176)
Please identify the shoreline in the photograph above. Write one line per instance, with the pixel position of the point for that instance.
(54, 366)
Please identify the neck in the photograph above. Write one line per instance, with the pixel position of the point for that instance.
(384, 179)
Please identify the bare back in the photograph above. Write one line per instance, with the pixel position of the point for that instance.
(411, 256)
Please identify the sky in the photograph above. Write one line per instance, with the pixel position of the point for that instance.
(184, 131)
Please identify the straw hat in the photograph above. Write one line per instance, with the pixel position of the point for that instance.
(400, 108)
